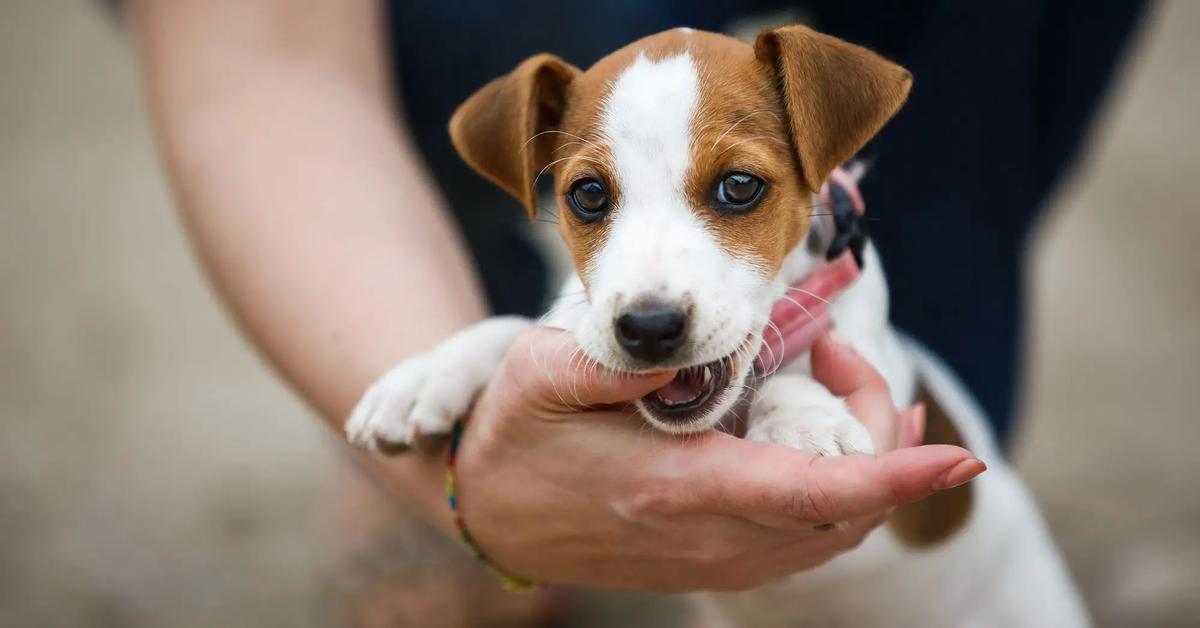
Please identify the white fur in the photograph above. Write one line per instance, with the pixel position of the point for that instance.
(797, 411)
(657, 246)
(426, 393)
(1000, 570)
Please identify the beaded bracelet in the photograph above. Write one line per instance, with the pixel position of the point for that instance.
(511, 582)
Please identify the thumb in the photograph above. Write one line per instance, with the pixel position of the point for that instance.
(552, 367)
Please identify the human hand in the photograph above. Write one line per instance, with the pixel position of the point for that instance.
(561, 483)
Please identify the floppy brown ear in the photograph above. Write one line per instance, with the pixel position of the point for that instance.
(837, 95)
(496, 129)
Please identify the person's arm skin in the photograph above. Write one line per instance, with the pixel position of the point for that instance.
(319, 229)
(308, 206)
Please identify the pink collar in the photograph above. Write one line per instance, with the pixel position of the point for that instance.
(802, 315)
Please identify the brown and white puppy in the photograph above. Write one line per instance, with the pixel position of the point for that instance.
(685, 167)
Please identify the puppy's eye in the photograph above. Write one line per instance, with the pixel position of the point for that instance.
(588, 199)
(738, 192)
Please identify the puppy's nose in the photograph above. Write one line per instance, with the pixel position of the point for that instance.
(651, 332)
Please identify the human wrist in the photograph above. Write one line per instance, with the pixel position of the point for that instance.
(510, 580)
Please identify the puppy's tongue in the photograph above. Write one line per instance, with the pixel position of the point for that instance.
(687, 386)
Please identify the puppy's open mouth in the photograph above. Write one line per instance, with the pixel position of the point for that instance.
(693, 392)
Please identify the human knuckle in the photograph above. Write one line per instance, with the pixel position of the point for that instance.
(521, 354)
(652, 502)
(511, 402)
(811, 502)
(511, 388)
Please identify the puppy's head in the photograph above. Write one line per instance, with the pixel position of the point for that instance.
(684, 166)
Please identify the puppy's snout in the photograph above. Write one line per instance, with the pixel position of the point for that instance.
(651, 332)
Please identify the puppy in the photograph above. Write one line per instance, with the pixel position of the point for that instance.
(689, 168)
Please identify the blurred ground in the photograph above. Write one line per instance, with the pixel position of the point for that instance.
(152, 473)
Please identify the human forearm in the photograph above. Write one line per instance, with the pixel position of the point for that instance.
(304, 201)
(308, 209)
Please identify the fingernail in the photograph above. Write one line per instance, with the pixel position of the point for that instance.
(959, 474)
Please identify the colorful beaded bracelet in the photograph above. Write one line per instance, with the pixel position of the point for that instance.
(511, 582)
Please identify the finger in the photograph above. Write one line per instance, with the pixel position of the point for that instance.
(798, 327)
(840, 368)
(548, 364)
(846, 487)
(910, 426)
(773, 483)
(807, 549)
(843, 536)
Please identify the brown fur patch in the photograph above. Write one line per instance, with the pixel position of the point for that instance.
(937, 517)
(787, 110)
(740, 125)
(499, 130)
(838, 95)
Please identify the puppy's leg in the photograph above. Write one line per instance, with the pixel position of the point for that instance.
(796, 411)
(424, 394)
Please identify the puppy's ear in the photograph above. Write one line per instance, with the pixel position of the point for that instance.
(837, 95)
(496, 129)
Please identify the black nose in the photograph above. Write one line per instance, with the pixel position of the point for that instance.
(651, 333)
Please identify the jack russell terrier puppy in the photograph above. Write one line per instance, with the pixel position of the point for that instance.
(688, 168)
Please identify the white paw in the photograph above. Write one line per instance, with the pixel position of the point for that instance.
(802, 414)
(411, 401)
(424, 395)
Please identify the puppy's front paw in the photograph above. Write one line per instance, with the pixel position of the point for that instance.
(424, 395)
(798, 412)
(415, 399)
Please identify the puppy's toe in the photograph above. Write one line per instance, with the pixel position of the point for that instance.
(821, 440)
(437, 408)
(380, 422)
(853, 438)
(823, 431)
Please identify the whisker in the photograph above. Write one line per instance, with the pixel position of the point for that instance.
(750, 139)
(571, 135)
(562, 146)
(741, 120)
(744, 387)
(558, 309)
(770, 351)
(812, 294)
(797, 304)
(551, 165)
(777, 364)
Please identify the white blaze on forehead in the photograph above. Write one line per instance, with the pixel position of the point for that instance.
(647, 121)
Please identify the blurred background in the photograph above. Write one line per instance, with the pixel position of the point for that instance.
(153, 473)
